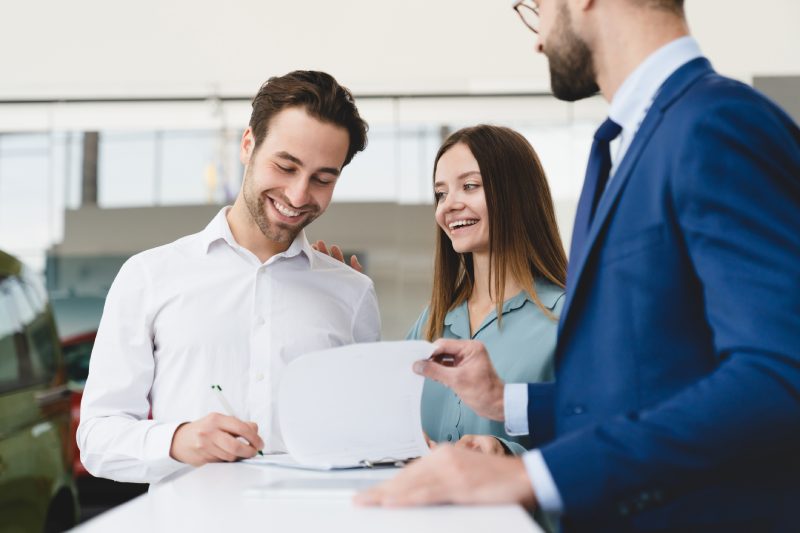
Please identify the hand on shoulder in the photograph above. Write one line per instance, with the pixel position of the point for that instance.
(337, 254)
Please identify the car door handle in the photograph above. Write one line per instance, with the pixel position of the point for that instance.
(51, 395)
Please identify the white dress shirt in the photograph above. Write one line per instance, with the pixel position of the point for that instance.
(628, 108)
(634, 97)
(200, 311)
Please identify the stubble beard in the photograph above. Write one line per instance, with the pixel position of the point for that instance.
(256, 206)
(572, 72)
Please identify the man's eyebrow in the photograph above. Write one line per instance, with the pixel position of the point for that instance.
(296, 160)
(459, 177)
(290, 157)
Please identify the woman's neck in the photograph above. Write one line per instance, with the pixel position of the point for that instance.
(482, 290)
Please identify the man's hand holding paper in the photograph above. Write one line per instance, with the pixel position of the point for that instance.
(465, 367)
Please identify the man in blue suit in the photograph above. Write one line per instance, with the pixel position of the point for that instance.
(676, 405)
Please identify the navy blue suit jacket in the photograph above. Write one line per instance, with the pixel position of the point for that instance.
(676, 404)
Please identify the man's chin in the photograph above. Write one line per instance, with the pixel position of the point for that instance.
(284, 232)
(572, 92)
(295, 226)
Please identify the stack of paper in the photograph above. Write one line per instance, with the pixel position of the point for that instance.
(352, 406)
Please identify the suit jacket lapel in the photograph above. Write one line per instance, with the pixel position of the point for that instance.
(672, 89)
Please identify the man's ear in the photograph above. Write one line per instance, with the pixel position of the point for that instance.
(247, 146)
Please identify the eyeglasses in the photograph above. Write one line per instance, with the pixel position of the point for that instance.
(528, 11)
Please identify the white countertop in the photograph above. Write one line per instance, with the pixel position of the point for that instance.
(228, 497)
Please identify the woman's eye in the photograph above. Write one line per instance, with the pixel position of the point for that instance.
(470, 186)
(438, 196)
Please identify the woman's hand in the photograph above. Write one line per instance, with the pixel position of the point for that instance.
(337, 254)
(429, 441)
(481, 443)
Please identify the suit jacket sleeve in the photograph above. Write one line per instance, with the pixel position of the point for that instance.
(735, 192)
(541, 413)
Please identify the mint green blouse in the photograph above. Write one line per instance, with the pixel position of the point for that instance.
(521, 350)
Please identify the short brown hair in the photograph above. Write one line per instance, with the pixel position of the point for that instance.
(316, 92)
(523, 232)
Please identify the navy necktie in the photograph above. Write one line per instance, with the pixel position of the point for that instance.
(593, 186)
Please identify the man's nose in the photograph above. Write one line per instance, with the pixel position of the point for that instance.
(298, 192)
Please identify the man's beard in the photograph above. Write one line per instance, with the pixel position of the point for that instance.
(274, 231)
(572, 72)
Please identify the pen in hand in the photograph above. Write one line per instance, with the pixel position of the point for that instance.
(225, 405)
(443, 359)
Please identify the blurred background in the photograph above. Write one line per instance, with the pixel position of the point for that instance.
(120, 125)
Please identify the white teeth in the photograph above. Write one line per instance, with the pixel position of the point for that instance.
(282, 209)
(460, 223)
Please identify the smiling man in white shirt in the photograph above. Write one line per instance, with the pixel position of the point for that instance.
(231, 305)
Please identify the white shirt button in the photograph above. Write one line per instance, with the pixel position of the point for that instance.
(259, 321)
(259, 376)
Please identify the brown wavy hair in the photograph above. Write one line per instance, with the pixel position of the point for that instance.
(320, 95)
(523, 232)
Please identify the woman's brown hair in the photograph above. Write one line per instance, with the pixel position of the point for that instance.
(523, 232)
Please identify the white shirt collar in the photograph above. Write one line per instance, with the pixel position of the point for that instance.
(637, 92)
(219, 229)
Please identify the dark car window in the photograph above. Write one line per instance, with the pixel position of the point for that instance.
(76, 358)
(34, 289)
(25, 309)
(37, 332)
(9, 330)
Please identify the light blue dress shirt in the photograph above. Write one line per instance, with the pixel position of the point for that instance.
(628, 108)
(521, 349)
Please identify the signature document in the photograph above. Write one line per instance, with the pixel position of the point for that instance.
(352, 406)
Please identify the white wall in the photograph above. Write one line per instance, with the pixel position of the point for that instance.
(190, 47)
(106, 48)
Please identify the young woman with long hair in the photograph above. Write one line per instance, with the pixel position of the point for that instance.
(499, 277)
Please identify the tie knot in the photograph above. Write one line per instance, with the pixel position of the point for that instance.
(607, 131)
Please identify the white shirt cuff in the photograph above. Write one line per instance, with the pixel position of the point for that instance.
(158, 440)
(157, 445)
(544, 487)
(515, 407)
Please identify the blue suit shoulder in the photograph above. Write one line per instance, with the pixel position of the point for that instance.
(726, 135)
(716, 99)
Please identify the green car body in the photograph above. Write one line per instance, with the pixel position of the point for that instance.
(37, 491)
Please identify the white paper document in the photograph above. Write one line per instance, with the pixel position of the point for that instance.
(352, 406)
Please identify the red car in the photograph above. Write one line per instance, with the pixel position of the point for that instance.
(77, 350)
(78, 318)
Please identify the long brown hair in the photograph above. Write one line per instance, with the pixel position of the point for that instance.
(523, 232)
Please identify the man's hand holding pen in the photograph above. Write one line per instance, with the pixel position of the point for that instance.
(215, 438)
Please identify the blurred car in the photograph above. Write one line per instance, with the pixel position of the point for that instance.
(77, 318)
(37, 491)
(77, 350)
